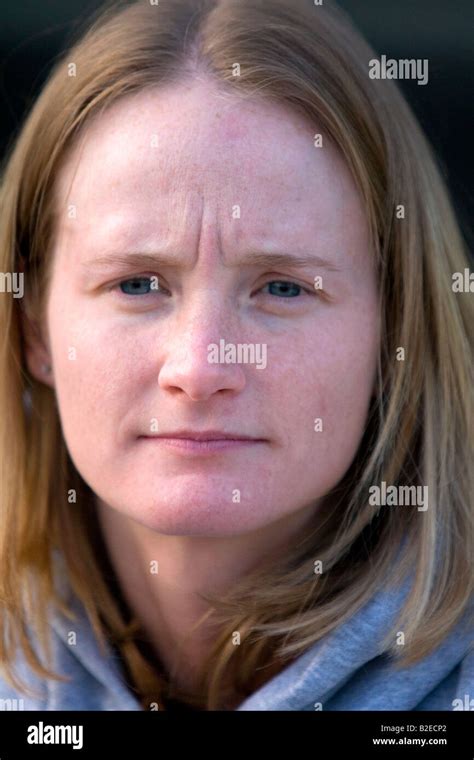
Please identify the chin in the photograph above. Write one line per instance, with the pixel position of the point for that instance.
(190, 517)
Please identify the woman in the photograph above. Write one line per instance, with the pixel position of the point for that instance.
(237, 394)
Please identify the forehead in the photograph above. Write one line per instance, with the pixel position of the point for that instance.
(164, 152)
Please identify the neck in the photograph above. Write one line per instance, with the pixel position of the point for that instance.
(163, 579)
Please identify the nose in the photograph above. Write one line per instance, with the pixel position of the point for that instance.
(186, 368)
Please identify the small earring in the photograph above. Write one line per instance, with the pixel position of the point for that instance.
(46, 369)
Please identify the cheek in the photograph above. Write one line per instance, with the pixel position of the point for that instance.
(346, 375)
(324, 392)
(95, 380)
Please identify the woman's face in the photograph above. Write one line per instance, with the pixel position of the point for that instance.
(201, 184)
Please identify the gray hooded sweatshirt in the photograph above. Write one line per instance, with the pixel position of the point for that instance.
(346, 670)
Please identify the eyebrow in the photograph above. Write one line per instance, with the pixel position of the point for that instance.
(153, 260)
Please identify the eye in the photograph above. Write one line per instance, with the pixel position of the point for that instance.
(286, 289)
(140, 286)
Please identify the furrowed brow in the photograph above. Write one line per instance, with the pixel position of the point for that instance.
(257, 259)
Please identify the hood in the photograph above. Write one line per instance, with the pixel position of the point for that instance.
(346, 670)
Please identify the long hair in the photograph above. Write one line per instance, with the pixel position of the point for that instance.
(419, 430)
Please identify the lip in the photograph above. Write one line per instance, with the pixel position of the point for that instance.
(206, 435)
(191, 442)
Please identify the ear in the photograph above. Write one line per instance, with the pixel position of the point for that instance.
(37, 355)
(35, 347)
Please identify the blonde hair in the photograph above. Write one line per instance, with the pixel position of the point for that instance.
(420, 426)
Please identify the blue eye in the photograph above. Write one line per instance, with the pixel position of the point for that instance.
(137, 286)
(286, 289)
(142, 286)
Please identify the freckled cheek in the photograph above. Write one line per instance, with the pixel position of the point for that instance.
(95, 369)
(334, 383)
(346, 385)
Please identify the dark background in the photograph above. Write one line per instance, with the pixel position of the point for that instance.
(33, 33)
